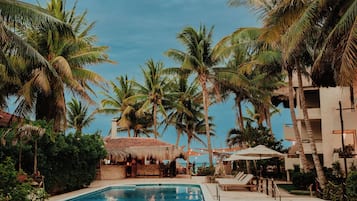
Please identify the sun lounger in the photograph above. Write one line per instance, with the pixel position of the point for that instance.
(238, 176)
(244, 183)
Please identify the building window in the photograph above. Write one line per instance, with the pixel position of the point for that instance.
(312, 98)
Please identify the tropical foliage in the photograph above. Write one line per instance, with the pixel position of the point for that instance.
(77, 116)
(66, 162)
(199, 59)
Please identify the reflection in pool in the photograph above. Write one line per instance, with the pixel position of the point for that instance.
(145, 192)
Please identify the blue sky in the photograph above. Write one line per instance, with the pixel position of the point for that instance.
(138, 30)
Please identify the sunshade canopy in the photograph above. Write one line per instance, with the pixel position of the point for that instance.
(259, 152)
(120, 148)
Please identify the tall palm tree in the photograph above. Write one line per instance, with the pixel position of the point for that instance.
(256, 72)
(301, 18)
(200, 58)
(153, 94)
(78, 117)
(43, 89)
(187, 95)
(275, 25)
(15, 16)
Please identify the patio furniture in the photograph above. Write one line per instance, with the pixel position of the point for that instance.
(245, 182)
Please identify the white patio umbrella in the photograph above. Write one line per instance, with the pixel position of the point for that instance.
(237, 157)
(260, 151)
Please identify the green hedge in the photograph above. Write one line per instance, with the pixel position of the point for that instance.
(351, 186)
(67, 162)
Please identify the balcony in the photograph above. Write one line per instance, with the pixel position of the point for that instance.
(314, 113)
(288, 131)
(307, 146)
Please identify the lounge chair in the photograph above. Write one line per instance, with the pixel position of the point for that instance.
(244, 183)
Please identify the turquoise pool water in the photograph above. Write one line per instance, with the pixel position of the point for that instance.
(145, 192)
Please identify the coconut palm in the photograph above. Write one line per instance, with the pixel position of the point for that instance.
(17, 15)
(256, 73)
(200, 58)
(153, 94)
(294, 17)
(331, 27)
(78, 117)
(180, 108)
(276, 25)
(43, 89)
(194, 127)
(115, 101)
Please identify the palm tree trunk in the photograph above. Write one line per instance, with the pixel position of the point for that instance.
(155, 121)
(188, 157)
(268, 119)
(128, 132)
(205, 108)
(179, 132)
(303, 158)
(240, 114)
(35, 159)
(20, 154)
(319, 171)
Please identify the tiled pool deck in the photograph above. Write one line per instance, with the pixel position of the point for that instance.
(209, 190)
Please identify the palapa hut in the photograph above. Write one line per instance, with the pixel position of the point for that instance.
(137, 157)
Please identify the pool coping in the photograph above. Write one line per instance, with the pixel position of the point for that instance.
(207, 196)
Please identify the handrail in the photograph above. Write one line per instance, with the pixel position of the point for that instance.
(218, 196)
(275, 190)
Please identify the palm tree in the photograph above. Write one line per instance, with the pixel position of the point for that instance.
(77, 116)
(115, 101)
(187, 95)
(44, 89)
(194, 127)
(331, 29)
(153, 94)
(199, 59)
(275, 25)
(15, 16)
(301, 18)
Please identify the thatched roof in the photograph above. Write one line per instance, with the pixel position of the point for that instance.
(7, 119)
(120, 148)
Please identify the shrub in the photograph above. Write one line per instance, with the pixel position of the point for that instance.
(70, 163)
(10, 187)
(206, 171)
(302, 181)
(333, 192)
(351, 186)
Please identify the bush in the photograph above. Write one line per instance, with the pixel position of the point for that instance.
(351, 186)
(70, 163)
(333, 192)
(10, 187)
(302, 181)
(205, 171)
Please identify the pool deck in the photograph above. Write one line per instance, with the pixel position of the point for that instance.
(209, 190)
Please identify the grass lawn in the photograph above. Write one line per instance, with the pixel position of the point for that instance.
(293, 190)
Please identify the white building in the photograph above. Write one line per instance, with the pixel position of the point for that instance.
(324, 114)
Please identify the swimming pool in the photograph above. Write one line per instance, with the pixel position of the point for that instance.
(145, 192)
